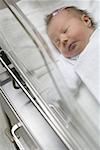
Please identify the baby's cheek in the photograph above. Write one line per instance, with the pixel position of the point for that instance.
(78, 32)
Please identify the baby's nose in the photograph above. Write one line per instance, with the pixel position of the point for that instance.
(64, 42)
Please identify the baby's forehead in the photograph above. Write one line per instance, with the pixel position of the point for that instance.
(64, 14)
(67, 13)
(67, 10)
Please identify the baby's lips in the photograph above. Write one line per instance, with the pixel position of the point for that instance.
(71, 46)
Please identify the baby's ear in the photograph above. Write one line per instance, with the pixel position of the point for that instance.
(86, 20)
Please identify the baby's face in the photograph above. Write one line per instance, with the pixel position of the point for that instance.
(70, 33)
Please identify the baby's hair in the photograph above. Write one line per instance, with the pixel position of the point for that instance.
(77, 10)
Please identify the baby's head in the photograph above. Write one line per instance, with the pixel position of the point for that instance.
(69, 29)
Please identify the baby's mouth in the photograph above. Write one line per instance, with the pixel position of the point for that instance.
(72, 46)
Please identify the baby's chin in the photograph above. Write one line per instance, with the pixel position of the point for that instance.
(71, 55)
(76, 51)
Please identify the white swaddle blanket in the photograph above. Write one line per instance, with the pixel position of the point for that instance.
(87, 66)
(72, 80)
(85, 69)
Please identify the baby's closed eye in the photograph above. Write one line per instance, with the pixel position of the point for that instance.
(66, 29)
